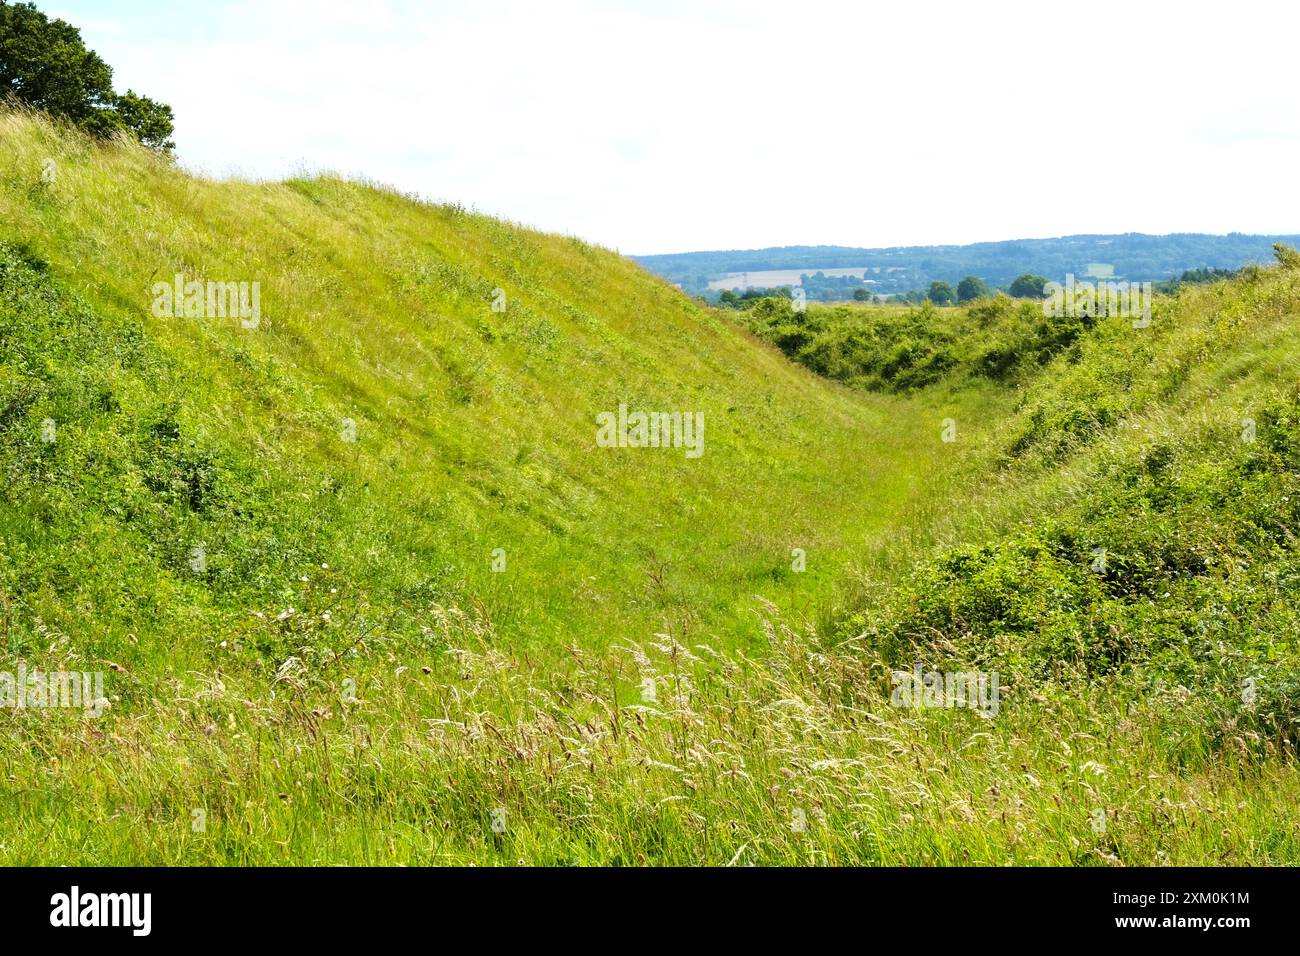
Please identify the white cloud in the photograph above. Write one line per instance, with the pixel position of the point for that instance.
(656, 126)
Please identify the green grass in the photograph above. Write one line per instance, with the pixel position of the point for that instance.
(414, 695)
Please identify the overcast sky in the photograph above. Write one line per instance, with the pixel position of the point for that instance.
(666, 126)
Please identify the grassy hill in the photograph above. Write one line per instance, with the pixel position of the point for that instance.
(278, 542)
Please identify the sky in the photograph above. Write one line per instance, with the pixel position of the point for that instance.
(680, 125)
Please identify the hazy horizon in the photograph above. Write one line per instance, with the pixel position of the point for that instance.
(973, 242)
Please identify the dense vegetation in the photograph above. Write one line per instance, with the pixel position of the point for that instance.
(1103, 514)
(900, 348)
(1167, 564)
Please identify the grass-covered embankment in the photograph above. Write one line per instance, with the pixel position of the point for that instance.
(346, 679)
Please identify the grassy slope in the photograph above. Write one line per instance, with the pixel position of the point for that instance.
(476, 430)
(521, 692)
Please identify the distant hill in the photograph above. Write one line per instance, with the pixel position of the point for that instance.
(895, 269)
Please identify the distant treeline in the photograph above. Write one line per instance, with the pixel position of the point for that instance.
(907, 273)
(969, 289)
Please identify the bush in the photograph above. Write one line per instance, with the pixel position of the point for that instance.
(888, 349)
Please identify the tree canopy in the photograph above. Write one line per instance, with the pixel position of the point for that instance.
(941, 293)
(971, 287)
(1028, 286)
(45, 64)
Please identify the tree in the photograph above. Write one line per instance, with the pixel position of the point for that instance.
(45, 64)
(971, 287)
(151, 122)
(862, 295)
(1028, 286)
(941, 293)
